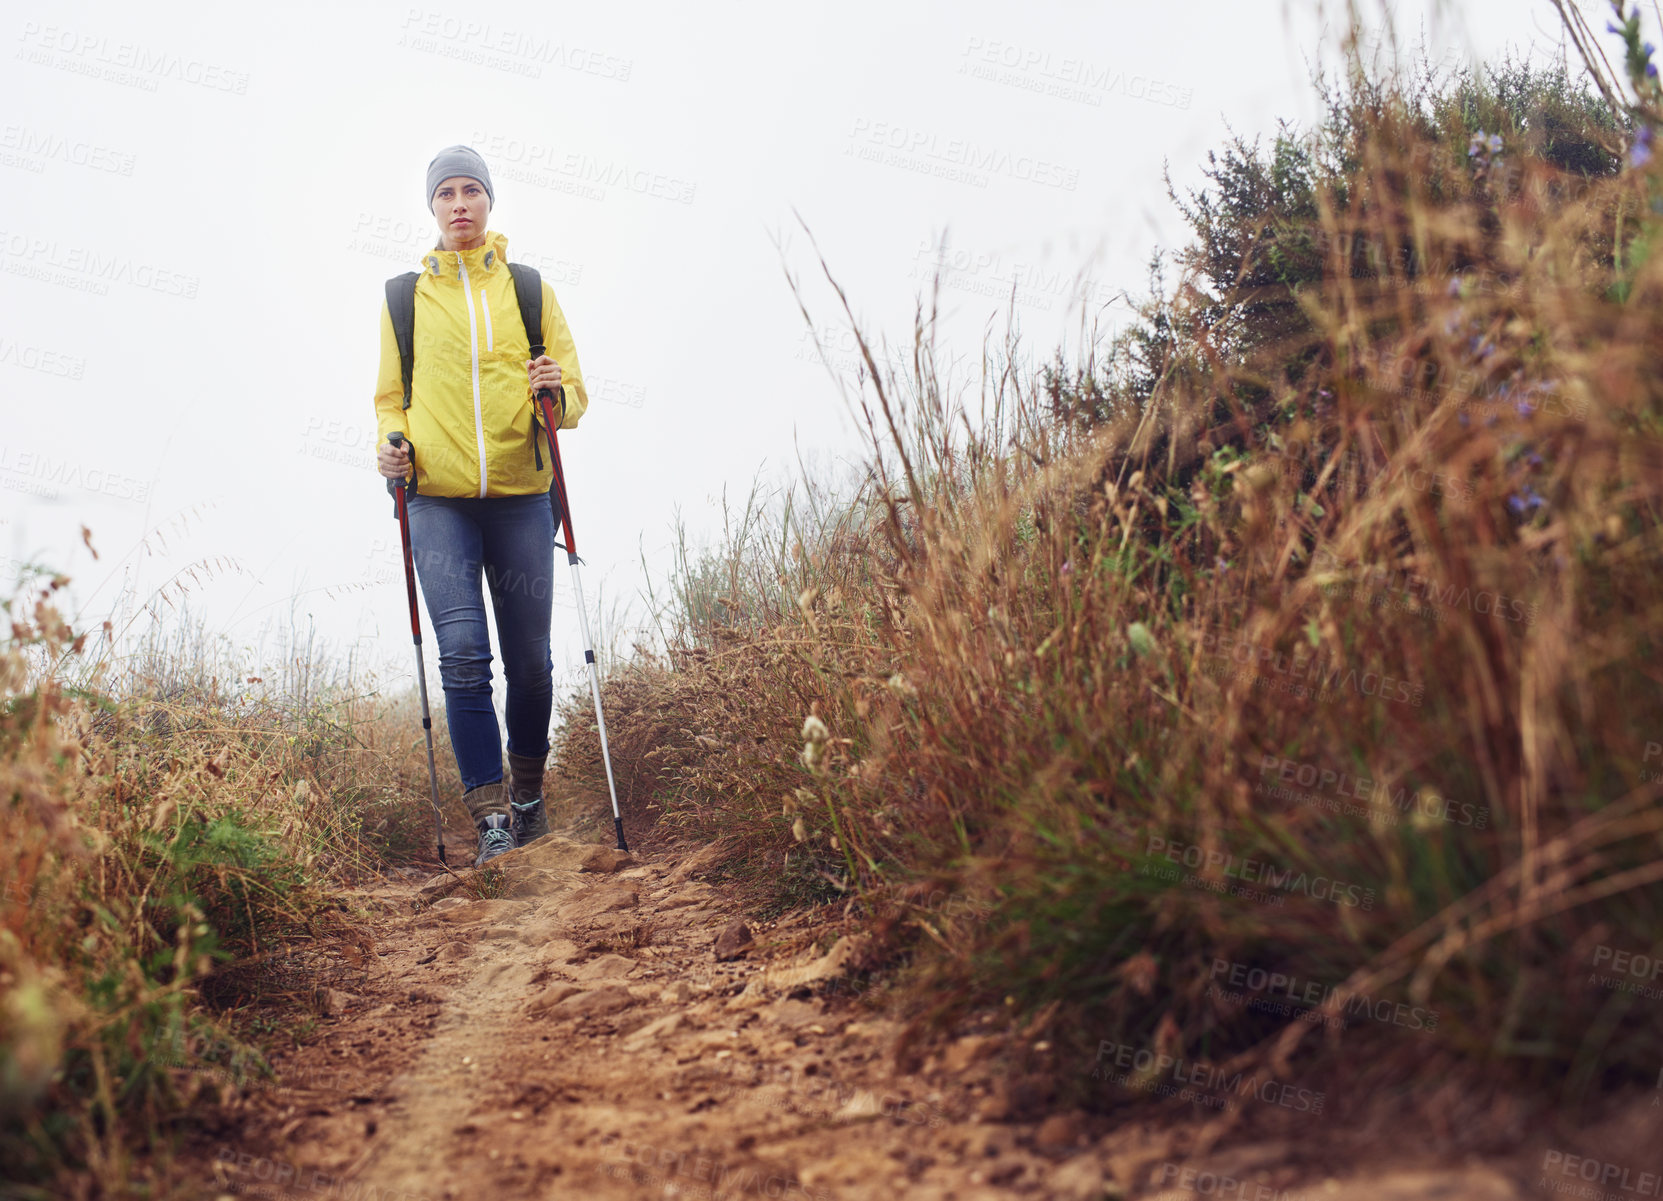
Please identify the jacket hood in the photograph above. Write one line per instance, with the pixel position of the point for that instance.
(480, 260)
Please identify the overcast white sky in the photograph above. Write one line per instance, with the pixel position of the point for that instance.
(202, 202)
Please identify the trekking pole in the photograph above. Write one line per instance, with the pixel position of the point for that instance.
(402, 512)
(559, 492)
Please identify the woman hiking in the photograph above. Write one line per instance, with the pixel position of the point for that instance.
(482, 499)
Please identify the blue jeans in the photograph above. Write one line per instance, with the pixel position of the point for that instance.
(512, 539)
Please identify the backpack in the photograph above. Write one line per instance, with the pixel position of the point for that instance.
(528, 290)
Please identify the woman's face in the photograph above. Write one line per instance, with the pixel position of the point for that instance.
(461, 206)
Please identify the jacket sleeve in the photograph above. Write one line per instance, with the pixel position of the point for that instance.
(558, 344)
(389, 383)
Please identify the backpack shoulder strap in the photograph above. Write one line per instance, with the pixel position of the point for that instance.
(401, 307)
(528, 289)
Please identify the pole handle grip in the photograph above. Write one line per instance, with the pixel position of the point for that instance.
(398, 441)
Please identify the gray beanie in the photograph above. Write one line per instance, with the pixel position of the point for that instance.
(458, 160)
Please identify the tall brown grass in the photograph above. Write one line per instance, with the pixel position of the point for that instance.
(1340, 594)
(172, 840)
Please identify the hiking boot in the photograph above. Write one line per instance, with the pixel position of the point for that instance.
(526, 796)
(495, 837)
(488, 806)
(530, 821)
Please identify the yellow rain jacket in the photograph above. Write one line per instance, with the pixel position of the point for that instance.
(471, 411)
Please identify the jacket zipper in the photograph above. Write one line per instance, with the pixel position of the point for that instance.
(473, 347)
(485, 307)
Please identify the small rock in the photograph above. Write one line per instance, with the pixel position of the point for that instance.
(733, 941)
(678, 993)
(604, 966)
(334, 1002)
(654, 1030)
(437, 888)
(605, 859)
(550, 997)
(967, 1051)
(1059, 1132)
(1081, 1180)
(601, 1001)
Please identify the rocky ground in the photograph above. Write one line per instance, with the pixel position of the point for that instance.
(606, 1028)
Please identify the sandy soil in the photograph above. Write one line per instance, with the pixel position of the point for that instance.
(579, 1037)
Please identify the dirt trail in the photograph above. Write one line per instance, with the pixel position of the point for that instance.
(578, 1037)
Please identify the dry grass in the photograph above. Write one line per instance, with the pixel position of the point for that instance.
(1107, 663)
(172, 843)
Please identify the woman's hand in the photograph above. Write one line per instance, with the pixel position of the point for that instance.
(393, 461)
(544, 373)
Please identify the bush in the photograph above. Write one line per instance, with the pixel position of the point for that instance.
(167, 857)
(1310, 633)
